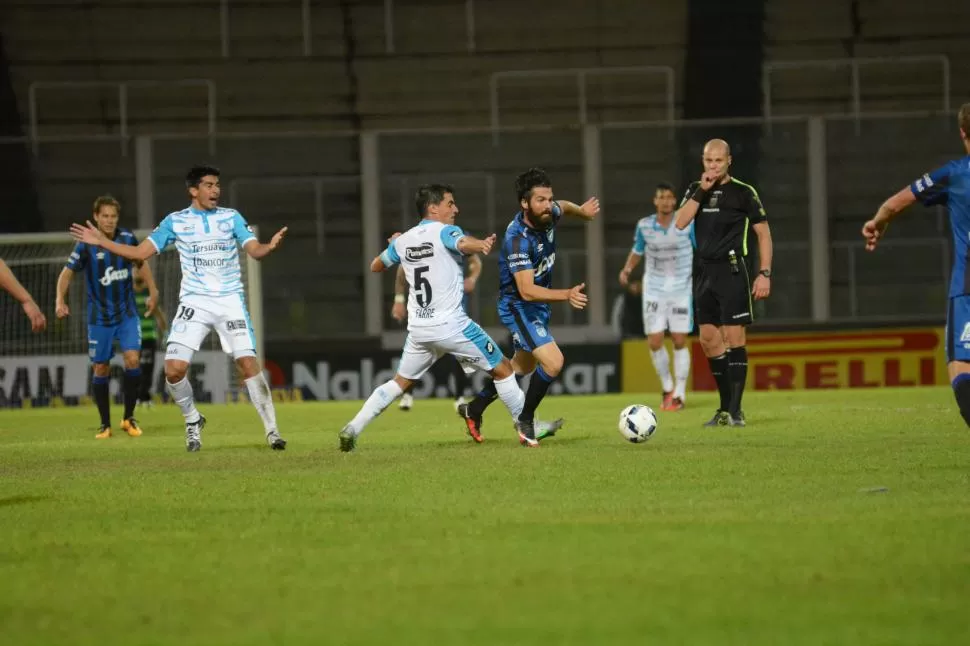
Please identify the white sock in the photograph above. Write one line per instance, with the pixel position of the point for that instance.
(511, 395)
(182, 395)
(681, 370)
(262, 399)
(661, 363)
(380, 399)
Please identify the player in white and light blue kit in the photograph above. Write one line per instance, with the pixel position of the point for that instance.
(207, 238)
(668, 254)
(432, 255)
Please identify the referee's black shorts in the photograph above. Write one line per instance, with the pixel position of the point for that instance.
(722, 296)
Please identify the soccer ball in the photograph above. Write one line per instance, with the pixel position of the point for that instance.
(637, 423)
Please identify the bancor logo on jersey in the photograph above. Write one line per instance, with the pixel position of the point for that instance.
(111, 275)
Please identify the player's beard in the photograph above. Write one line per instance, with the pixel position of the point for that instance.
(536, 223)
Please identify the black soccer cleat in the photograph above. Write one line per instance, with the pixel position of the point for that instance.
(527, 433)
(721, 418)
(472, 424)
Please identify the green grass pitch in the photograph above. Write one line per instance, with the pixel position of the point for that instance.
(835, 517)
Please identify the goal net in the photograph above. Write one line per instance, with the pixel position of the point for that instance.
(39, 368)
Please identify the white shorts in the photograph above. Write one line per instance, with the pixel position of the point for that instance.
(473, 347)
(197, 316)
(668, 312)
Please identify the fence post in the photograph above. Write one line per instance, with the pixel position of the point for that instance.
(370, 202)
(595, 239)
(818, 216)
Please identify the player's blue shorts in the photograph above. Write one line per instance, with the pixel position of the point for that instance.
(958, 329)
(101, 339)
(528, 323)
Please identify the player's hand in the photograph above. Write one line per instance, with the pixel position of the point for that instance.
(150, 304)
(399, 312)
(761, 288)
(577, 298)
(487, 245)
(708, 180)
(275, 240)
(61, 310)
(469, 285)
(38, 322)
(624, 276)
(394, 236)
(872, 231)
(87, 234)
(590, 207)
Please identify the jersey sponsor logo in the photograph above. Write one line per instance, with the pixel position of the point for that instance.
(211, 246)
(546, 264)
(540, 247)
(238, 324)
(420, 252)
(111, 275)
(187, 229)
(680, 311)
(210, 262)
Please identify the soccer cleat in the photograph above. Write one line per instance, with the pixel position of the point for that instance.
(720, 418)
(665, 399)
(193, 434)
(473, 424)
(407, 401)
(130, 426)
(103, 433)
(459, 402)
(275, 442)
(348, 439)
(676, 404)
(736, 421)
(527, 433)
(548, 429)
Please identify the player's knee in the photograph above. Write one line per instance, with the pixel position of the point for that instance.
(132, 360)
(101, 370)
(502, 370)
(248, 365)
(655, 341)
(734, 336)
(552, 363)
(679, 341)
(175, 371)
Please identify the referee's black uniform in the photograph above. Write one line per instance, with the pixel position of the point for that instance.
(722, 282)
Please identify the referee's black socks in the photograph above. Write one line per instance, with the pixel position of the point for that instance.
(719, 368)
(737, 374)
(961, 388)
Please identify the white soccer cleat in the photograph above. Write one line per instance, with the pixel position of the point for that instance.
(407, 400)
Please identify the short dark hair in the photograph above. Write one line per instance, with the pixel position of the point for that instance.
(963, 118)
(664, 186)
(428, 194)
(105, 200)
(196, 173)
(530, 179)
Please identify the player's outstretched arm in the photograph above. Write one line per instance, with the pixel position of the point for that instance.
(874, 229)
(588, 210)
(529, 291)
(259, 250)
(10, 284)
(469, 245)
(89, 234)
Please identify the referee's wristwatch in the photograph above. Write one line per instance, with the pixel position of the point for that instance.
(766, 273)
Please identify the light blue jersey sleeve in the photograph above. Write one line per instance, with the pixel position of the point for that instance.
(241, 229)
(450, 235)
(163, 235)
(639, 242)
(390, 256)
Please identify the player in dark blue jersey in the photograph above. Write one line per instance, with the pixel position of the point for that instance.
(526, 259)
(112, 313)
(948, 185)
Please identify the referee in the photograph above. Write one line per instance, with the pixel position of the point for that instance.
(723, 209)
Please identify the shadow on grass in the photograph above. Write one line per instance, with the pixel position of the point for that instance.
(10, 501)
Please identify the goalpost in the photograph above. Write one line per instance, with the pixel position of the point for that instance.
(52, 362)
